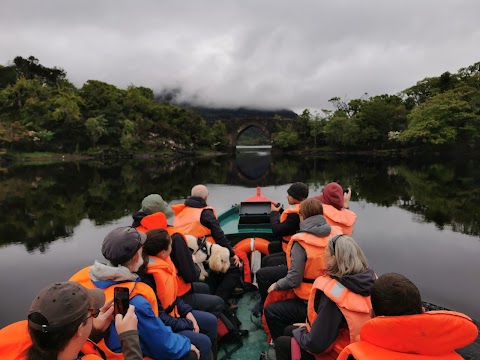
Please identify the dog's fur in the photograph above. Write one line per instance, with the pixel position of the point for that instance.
(219, 260)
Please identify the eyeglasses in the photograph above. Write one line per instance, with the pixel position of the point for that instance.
(334, 242)
(93, 313)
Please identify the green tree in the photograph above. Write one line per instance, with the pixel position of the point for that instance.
(67, 119)
(30, 68)
(286, 139)
(96, 128)
(377, 117)
(444, 120)
(12, 133)
(100, 98)
(218, 134)
(8, 76)
(129, 135)
(317, 126)
(341, 130)
(304, 118)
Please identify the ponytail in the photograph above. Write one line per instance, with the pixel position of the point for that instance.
(48, 345)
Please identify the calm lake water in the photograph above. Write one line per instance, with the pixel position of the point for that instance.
(419, 217)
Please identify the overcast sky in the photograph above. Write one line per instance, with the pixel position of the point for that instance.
(268, 54)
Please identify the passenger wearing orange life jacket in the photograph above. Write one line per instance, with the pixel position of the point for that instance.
(401, 329)
(314, 230)
(160, 273)
(60, 320)
(285, 224)
(196, 218)
(338, 306)
(306, 261)
(196, 294)
(336, 204)
(122, 248)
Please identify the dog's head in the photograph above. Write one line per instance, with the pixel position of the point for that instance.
(219, 259)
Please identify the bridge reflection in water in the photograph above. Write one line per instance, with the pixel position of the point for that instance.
(253, 163)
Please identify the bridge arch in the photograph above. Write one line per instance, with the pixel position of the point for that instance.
(240, 130)
(269, 126)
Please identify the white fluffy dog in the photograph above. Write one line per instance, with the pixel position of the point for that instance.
(217, 256)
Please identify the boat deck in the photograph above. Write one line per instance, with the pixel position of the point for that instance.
(256, 341)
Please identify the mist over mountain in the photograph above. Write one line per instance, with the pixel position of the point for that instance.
(212, 113)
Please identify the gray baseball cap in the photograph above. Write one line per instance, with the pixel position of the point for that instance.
(121, 244)
(62, 304)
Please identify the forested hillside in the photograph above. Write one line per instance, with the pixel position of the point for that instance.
(437, 113)
(40, 110)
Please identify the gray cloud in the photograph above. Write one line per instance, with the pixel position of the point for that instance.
(267, 54)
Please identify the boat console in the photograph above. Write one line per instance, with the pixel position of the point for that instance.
(254, 213)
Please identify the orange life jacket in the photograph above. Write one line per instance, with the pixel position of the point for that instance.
(187, 219)
(159, 221)
(316, 262)
(354, 307)
(433, 335)
(343, 218)
(154, 221)
(165, 274)
(135, 288)
(15, 341)
(294, 209)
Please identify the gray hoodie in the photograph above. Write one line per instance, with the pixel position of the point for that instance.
(315, 225)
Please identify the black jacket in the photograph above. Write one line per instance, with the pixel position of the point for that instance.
(181, 256)
(330, 319)
(208, 219)
(289, 227)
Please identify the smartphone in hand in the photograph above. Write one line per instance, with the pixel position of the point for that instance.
(121, 300)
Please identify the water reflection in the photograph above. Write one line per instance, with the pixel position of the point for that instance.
(257, 171)
(39, 204)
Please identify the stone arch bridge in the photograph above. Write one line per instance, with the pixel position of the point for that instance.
(269, 126)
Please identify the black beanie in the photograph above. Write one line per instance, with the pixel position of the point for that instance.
(298, 190)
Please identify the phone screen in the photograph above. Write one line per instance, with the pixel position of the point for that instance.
(121, 300)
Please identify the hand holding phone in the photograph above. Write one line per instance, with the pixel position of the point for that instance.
(127, 322)
(121, 300)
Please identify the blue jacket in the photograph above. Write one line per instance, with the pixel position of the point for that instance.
(157, 341)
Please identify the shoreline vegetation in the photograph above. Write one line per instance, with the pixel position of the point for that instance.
(42, 112)
(51, 157)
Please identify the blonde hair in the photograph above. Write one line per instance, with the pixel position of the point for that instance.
(310, 207)
(347, 257)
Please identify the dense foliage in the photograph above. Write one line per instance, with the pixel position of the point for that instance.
(41, 110)
(437, 113)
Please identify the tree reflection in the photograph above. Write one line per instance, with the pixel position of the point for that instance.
(39, 204)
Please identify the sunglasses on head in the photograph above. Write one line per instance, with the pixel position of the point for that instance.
(334, 242)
